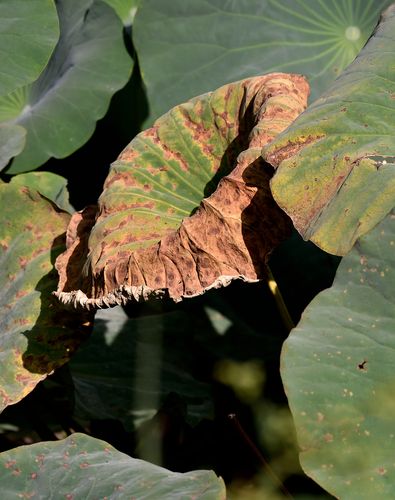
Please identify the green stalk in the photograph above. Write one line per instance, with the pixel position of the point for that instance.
(281, 306)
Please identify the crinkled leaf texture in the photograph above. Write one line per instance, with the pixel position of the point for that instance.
(150, 236)
(338, 372)
(36, 334)
(336, 164)
(83, 467)
(59, 110)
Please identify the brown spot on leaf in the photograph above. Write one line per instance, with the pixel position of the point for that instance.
(363, 365)
(23, 262)
(231, 233)
(21, 293)
(290, 149)
(128, 155)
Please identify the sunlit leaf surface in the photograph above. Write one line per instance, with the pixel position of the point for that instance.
(52, 186)
(36, 335)
(336, 163)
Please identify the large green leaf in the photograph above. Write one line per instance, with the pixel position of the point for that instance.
(129, 366)
(59, 111)
(186, 48)
(36, 334)
(338, 372)
(143, 243)
(336, 163)
(28, 34)
(81, 467)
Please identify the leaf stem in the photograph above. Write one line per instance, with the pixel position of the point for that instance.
(282, 308)
(233, 418)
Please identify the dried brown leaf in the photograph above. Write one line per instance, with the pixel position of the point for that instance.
(132, 252)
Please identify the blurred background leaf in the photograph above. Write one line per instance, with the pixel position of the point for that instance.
(129, 366)
(186, 49)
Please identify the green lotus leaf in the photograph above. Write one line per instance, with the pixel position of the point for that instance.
(28, 34)
(187, 48)
(126, 9)
(59, 111)
(337, 369)
(52, 186)
(12, 141)
(83, 467)
(134, 389)
(150, 236)
(336, 163)
(36, 334)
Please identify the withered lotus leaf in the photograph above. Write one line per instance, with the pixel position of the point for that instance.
(187, 205)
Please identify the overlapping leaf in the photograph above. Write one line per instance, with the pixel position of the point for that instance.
(129, 366)
(336, 163)
(83, 467)
(187, 48)
(28, 34)
(143, 242)
(36, 334)
(52, 186)
(59, 110)
(126, 9)
(337, 368)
